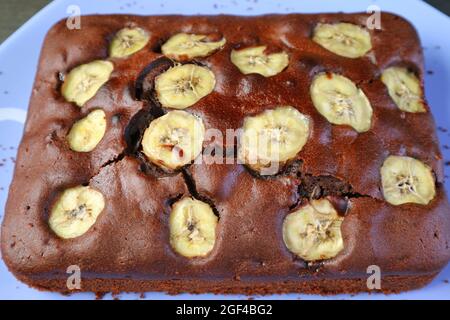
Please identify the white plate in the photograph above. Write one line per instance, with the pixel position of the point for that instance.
(18, 60)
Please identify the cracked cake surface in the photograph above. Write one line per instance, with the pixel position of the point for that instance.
(358, 178)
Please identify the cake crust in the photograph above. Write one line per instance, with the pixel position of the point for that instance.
(128, 248)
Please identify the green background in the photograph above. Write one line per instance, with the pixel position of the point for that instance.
(13, 13)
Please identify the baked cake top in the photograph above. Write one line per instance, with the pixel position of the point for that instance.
(335, 158)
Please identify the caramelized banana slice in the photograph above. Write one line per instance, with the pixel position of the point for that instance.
(174, 139)
(128, 41)
(344, 39)
(404, 88)
(313, 232)
(255, 60)
(184, 46)
(273, 138)
(341, 102)
(76, 211)
(182, 86)
(83, 82)
(407, 180)
(86, 133)
(192, 226)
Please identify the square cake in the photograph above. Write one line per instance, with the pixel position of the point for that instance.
(228, 154)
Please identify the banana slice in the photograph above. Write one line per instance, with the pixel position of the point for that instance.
(273, 137)
(86, 133)
(192, 226)
(344, 39)
(313, 232)
(83, 82)
(174, 139)
(407, 180)
(182, 86)
(128, 41)
(76, 211)
(404, 88)
(184, 46)
(254, 60)
(341, 102)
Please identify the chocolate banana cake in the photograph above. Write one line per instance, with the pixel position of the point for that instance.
(227, 154)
